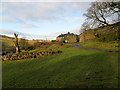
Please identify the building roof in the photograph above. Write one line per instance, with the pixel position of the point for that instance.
(62, 35)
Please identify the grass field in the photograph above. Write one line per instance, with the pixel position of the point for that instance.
(74, 68)
(112, 45)
(7, 45)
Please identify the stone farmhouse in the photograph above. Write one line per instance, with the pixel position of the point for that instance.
(68, 38)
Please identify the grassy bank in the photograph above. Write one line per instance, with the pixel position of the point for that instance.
(74, 68)
(111, 45)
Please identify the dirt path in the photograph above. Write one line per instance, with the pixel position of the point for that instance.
(77, 45)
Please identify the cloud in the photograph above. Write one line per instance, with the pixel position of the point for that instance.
(28, 26)
(74, 30)
(51, 36)
(33, 11)
(27, 13)
(28, 36)
(75, 18)
(9, 32)
(51, 0)
(10, 19)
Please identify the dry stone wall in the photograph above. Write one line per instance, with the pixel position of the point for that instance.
(25, 55)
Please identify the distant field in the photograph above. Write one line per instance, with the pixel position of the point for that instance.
(7, 45)
(74, 68)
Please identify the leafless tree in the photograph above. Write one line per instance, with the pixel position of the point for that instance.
(100, 14)
(16, 43)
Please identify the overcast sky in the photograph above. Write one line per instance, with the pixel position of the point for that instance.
(38, 20)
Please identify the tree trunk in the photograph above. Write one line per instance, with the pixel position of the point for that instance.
(16, 43)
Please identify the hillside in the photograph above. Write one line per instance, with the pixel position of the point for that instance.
(7, 44)
(106, 33)
(107, 37)
(74, 68)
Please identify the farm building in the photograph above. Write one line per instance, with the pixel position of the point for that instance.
(87, 36)
(67, 38)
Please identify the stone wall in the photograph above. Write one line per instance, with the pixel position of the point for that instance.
(25, 55)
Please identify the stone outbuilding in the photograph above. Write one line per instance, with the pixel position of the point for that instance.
(87, 36)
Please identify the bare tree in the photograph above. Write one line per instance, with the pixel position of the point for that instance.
(96, 14)
(16, 43)
(114, 8)
(101, 13)
(85, 26)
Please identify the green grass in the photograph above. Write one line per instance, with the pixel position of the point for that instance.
(114, 45)
(73, 68)
(69, 44)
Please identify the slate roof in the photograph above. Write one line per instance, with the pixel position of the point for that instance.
(63, 35)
